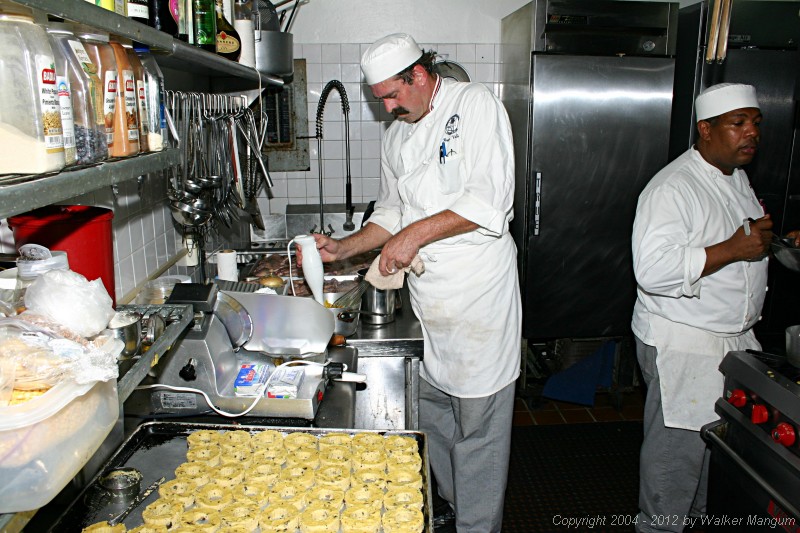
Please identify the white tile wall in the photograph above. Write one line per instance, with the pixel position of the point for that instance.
(367, 120)
(145, 236)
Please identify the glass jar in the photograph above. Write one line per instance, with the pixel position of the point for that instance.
(126, 123)
(95, 43)
(35, 260)
(155, 94)
(31, 140)
(87, 95)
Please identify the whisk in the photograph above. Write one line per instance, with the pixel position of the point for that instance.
(352, 298)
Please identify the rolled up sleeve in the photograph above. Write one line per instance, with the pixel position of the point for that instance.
(664, 262)
(488, 196)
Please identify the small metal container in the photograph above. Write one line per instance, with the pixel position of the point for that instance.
(127, 327)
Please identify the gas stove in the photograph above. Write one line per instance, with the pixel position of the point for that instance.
(755, 446)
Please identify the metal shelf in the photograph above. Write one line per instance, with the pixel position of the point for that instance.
(18, 195)
(179, 55)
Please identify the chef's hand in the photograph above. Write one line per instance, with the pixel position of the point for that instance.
(755, 246)
(796, 236)
(328, 248)
(398, 252)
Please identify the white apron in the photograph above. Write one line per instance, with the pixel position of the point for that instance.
(468, 298)
(688, 369)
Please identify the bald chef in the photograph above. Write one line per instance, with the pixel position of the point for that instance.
(445, 197)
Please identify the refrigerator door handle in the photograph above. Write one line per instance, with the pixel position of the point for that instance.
(537, 204)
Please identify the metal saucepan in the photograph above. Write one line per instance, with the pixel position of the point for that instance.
(379, 304)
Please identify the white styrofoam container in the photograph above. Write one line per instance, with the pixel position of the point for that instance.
(45, 442)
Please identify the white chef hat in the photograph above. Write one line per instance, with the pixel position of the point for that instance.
(388, 56)
(724, 97)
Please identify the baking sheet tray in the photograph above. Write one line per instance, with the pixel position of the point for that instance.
(156, 449)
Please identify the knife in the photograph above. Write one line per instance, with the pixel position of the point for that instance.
(135, 503)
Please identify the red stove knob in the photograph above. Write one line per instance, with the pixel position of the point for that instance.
(784, 434)
(738, 398)
(759, 415)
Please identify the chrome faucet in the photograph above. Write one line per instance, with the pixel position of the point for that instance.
(349, 207)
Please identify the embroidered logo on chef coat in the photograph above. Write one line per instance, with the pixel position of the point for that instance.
(451, 128)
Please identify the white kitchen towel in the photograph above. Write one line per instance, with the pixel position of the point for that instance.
(392, 281)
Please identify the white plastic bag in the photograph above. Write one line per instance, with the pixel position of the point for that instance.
(69, 299)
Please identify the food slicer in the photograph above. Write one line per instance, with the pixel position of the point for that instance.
(231, 329)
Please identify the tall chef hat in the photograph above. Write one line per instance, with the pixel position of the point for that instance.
(388, 56)
(724, 97)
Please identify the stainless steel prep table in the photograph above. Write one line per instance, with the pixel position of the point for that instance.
(389, 355)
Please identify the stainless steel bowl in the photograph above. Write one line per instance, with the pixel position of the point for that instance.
(786, 253)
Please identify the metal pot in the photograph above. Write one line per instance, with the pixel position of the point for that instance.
(345, 320)
(379, 304)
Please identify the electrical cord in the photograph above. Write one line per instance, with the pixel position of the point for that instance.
(258, 396)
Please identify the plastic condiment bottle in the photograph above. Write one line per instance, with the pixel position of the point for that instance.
(31, 140)
(154, 94)
(87, 95)
(34, 260)
(64, 99)
(96, 45)
(141, 98)
(126, 124)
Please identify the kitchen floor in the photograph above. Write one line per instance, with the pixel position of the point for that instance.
(610, 406)
(531, 409)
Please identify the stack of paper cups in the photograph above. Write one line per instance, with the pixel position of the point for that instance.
(226, 265)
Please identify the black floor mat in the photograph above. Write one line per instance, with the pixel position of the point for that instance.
(573, 471)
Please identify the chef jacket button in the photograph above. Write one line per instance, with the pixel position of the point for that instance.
(426, 162)
(760, 317)
(766, 289)
(746, 318)
(751, 295)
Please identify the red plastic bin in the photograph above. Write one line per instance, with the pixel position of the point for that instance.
(84, 232)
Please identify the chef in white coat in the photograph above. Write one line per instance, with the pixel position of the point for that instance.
(700, 243)
(446, 195)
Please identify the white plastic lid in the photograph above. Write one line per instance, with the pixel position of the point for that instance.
(35, 268)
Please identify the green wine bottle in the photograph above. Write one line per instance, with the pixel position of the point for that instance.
(205, 30)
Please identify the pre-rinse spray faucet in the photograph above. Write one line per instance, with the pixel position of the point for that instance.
(349, 207)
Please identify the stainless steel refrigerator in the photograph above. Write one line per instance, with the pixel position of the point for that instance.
(588, 87)
(754, 42)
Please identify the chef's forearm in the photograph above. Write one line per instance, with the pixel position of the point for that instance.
(439, 226)
(370, 237)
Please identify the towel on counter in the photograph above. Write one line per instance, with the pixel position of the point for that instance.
(392, 281)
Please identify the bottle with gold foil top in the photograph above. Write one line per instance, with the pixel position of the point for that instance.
(228, 42)
(95, 44)
(126, 123)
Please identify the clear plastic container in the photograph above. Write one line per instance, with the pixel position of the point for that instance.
(126, 123)
(96, 45)
(31, 140)
(31, 264)
(44, 442)
(141, 98)
(87, 95)
(154, 94)
(64, 99)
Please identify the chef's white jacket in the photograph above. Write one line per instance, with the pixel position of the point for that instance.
(693, 321)
(467, 300)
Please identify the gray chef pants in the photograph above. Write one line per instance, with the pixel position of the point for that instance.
(673, 463)
(469, 442)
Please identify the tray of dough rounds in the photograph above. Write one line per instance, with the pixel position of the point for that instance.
(263, 479)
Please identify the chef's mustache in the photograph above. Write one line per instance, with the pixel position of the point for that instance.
(400, 111)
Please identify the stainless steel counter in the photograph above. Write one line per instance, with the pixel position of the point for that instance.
(389, 355)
